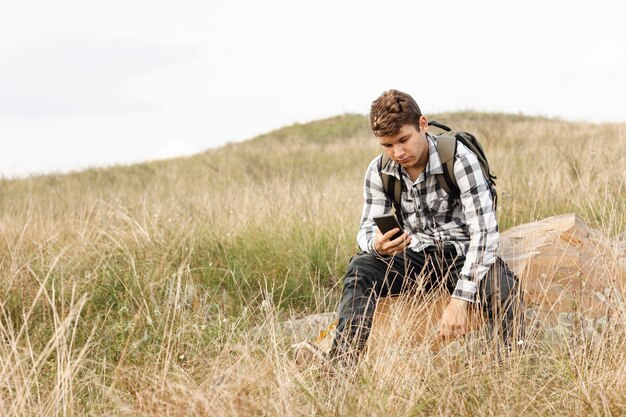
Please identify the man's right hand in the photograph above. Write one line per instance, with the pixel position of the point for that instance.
(384, 246)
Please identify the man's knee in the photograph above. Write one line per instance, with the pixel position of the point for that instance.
(509, 283)
(500, 284)
(361, 269)
(363, 261)
(502, 301)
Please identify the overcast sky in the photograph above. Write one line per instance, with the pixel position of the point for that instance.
(90, 83)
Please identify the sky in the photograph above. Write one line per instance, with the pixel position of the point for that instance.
(91, 83)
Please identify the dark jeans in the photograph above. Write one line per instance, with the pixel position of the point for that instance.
(370, 277)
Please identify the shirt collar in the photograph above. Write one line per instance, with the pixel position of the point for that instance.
(432, 167)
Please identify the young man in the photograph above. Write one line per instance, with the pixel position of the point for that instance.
(449, 240)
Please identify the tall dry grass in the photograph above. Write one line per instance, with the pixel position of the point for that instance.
(162, 288)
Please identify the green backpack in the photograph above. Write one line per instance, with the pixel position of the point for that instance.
(446, 148)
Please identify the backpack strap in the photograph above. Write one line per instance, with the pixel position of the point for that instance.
(391, 187)
(446, 148)
(439, 125)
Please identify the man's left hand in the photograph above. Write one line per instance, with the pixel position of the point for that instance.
(454, 321)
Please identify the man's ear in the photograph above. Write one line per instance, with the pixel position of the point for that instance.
(423, 124)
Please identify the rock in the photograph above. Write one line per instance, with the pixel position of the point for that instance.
(563, 266)
(566, 319)
(403, 320)
(530, 314)
(570, 275)
(589, 323)
(306, 353)
(536, 327)
(559, 332)
(590, 334)
(318, 328)
(420, 357)
(600, 324)
(454, 349)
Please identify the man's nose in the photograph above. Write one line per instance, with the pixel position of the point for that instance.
(398, 151)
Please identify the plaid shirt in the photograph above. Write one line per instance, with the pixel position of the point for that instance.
(432, 216)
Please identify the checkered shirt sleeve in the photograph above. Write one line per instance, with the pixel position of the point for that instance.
(481, 218)
(375, 203)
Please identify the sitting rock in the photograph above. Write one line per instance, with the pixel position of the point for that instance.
(572, 277)
(564, 266)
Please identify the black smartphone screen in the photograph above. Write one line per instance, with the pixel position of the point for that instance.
(386, 222)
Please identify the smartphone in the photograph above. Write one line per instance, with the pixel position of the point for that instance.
(387, 222)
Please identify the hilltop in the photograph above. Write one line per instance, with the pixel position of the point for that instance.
(521, 148)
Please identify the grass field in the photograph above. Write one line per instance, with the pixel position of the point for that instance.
(160, 288)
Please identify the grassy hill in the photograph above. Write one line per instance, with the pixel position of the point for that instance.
(136, 287)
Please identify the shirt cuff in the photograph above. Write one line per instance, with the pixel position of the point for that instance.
(465, 290)
(371, 247)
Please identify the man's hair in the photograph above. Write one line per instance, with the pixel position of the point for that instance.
(392, 110)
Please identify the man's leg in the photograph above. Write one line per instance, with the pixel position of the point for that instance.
(501, 300)
(368, 278)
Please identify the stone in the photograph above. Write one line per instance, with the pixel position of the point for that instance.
(589, 323)
(566, 319)
(562, 264)
(601, 323)
(453, 349)
(590, 334)
(530, 314)
(404, 320)
(568, 272)
(561, 331)
(319, 328)
(536, 327)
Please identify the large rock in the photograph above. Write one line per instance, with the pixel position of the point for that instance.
(567, 271)
(564, 266)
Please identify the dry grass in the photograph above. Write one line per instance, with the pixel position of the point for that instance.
(160, 289)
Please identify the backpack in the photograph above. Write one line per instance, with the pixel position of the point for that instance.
(446, 148)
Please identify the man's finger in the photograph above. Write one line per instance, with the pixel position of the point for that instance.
(390, 234)
(400, 239)
(401, 242)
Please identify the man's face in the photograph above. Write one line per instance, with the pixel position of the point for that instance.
(408, 147)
